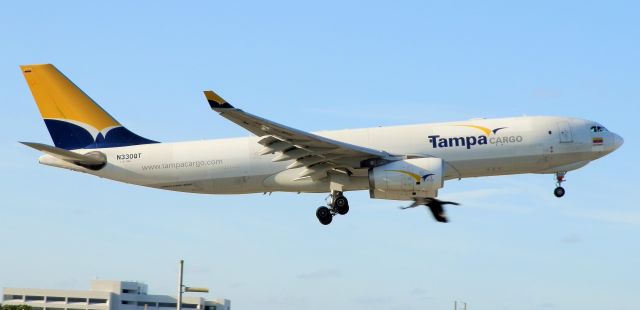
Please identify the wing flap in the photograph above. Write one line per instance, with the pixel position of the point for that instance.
(291, 155)
(311, 160)
(279, 146)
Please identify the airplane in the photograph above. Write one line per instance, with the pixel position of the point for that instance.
(406, 163)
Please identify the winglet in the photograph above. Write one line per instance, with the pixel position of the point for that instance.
(215, 101)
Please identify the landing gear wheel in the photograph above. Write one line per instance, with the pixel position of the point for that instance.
(341, 205)
(559, 191)
(324, 215)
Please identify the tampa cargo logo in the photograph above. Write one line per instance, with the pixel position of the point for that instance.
(489, 136)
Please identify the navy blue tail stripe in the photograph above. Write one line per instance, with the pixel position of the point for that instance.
(70, 136)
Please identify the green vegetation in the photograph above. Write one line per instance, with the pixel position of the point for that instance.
(15, 307)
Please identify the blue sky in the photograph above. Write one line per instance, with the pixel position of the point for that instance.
(329, 65)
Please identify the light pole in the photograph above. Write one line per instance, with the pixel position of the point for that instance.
(183, 289)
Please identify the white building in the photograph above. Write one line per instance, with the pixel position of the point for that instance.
(107, 295)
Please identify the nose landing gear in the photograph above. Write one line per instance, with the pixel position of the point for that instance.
(559, 191)
(336, 204)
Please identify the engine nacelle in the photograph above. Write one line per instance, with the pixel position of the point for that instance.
(406, 179)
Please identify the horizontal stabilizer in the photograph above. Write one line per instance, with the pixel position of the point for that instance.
(92, 161)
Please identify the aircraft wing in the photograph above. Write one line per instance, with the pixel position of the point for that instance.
(316, 153)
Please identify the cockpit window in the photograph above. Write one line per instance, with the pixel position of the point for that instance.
(598, 129)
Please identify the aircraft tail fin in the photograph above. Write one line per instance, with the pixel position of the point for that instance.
(73, 119)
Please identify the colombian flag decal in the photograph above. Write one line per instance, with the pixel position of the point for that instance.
(597, 141)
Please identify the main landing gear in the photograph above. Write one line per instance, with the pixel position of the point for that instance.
(336, 204)
(559, 191)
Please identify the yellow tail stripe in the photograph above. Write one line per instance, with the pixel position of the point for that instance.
(58, 98)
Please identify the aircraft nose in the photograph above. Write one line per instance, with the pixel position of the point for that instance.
(617, 141)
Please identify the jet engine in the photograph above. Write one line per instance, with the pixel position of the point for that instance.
(406, 179)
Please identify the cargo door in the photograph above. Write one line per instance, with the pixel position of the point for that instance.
(564, 130)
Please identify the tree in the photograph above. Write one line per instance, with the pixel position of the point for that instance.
(15, 307)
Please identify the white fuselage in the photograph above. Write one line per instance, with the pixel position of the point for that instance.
(233, 166)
